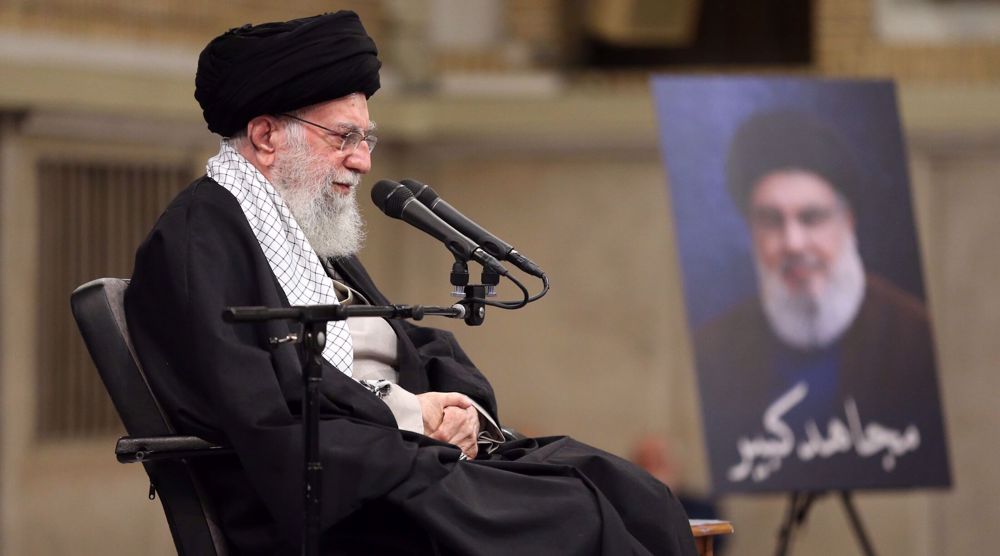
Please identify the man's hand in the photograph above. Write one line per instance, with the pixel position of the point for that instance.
(432, 405)
(450, 417)
(461, 428)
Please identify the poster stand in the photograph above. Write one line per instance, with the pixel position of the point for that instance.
(800, 502)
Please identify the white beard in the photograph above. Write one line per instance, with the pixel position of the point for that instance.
(809, 320)
(330, 221)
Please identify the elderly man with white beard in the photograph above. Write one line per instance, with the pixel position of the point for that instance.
(824, 343)
(413, 460)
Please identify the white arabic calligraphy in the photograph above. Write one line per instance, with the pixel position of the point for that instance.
(762, 455)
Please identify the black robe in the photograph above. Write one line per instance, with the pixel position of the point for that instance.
(384, 490)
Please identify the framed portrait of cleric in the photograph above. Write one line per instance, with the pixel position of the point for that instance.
(802, 282)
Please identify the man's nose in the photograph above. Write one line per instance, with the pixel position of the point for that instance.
(360, 160)
(793, 235)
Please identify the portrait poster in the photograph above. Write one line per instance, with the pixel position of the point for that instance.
(802, 280)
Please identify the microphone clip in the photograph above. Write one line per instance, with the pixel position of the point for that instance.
(473, 295)
(475, 309)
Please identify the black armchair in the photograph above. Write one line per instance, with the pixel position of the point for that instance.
(99, 313)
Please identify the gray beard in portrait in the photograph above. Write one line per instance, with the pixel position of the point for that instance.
(811, 320)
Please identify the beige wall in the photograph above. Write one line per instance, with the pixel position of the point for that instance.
(576, 183)
(58, 497)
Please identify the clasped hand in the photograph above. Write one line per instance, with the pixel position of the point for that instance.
(450, 417)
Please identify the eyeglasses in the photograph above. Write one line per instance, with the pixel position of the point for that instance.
(349, 139)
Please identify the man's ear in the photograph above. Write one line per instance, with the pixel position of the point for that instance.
(263, 134)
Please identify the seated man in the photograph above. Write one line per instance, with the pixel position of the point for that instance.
(413, 460)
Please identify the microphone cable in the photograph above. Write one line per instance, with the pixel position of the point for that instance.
(511, 305)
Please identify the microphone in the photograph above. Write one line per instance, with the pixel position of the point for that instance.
(396, 201)
(487, 241)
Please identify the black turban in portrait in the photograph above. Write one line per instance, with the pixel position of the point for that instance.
(280, 67)
(786, 140)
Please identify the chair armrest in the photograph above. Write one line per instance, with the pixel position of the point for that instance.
(132, 449)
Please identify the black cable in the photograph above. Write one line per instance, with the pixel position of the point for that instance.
(511, 305)
(545, 289)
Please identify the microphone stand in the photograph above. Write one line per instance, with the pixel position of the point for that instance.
(473, 294)
(313, 319)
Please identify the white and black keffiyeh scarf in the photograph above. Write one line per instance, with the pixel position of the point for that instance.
(293, 261)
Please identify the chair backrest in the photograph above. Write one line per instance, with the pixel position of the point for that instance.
(98, 308)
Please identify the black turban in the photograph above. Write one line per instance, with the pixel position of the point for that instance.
(785, 140)
(280, 67)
